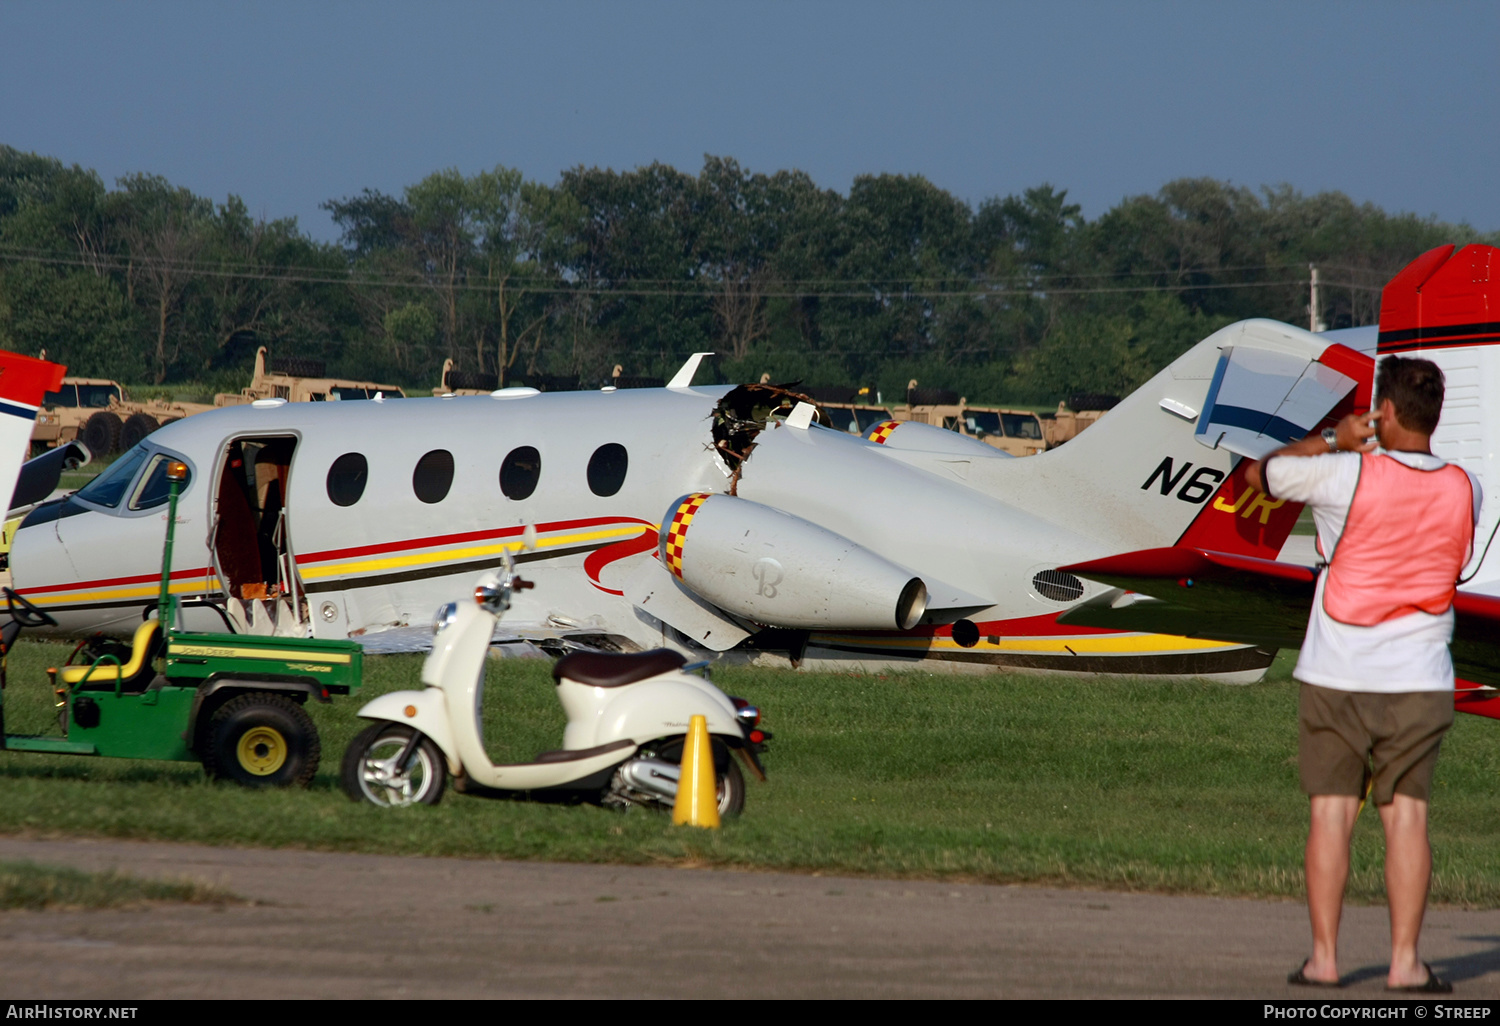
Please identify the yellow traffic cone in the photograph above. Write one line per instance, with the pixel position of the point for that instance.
(697, 788)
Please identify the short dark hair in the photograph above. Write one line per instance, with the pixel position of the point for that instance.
(1415, 389)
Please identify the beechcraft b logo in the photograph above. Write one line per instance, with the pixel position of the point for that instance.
(1196, 487)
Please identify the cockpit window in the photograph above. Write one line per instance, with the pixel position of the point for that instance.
(346, 392)
(1019, 425)
(152, 490)
(607, 469)
(109, 487)
(96, 396)
(93, 396)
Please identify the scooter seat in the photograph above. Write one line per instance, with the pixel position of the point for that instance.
(613, 670)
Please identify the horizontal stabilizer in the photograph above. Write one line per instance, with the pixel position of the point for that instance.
(1261, 399)
(39, 477)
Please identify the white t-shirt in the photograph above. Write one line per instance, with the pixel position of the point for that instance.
(1409, 653)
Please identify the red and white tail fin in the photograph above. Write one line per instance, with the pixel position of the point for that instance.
(1445, 307)
(1447, 298)
(24, 382)
(1162, 467)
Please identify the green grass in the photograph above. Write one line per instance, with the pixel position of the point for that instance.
(1138, 785)
(31, 886)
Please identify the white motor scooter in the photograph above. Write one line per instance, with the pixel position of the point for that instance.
(627, 716)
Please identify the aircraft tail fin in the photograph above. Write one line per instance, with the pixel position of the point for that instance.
(1162, 467)
(1445, 307)
(24, 382)
(1446, 298)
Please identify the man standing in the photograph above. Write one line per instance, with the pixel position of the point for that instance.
(1396, 525)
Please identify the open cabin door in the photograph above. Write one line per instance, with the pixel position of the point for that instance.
(252, 548)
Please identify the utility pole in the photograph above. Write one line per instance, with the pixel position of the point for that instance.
(1313, 324)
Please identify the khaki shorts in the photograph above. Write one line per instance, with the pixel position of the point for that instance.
(1347, 737)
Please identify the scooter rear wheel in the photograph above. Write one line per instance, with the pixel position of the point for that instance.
(369, 773)
(731, 782)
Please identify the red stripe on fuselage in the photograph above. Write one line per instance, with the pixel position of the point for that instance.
(354, 552)
(460, 539)
(1042, 626)
(114, 582)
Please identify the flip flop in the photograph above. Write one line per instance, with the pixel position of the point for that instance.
(1301, 979)
(1432, 985)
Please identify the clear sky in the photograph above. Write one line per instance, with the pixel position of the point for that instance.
(290, 104)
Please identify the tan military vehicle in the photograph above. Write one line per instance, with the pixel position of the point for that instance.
(1018, 432)
(300, 380)
(1074, 414)
(98, 413)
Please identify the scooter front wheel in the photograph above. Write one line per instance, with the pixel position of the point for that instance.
(370, 773)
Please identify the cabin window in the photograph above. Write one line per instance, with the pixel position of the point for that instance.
(109, 487)
(520, 472)
(154, 485)
(433, 476)
(346, 479)
(607, 469)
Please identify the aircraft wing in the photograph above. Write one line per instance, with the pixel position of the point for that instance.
(1207, 594)
(39, 478)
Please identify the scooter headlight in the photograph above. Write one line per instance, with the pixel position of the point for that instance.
(445, 617)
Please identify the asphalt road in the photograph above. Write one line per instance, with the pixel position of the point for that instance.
(338, 926)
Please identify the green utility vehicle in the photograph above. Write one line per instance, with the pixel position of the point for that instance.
(233, 702)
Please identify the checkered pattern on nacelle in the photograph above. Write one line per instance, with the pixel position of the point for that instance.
(676, 534)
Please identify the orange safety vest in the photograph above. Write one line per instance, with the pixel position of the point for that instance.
(1405, 541)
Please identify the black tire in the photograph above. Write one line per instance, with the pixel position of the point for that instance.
(299, 367)
(136, 428)
(262, 740)
(1080, 401)
(101, 433)
(472, 381)
(731, 781)
(362, 780)
(931, 397)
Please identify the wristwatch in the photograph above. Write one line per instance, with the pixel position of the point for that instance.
(1331, 436)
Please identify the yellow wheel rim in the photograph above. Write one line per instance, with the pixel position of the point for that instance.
(262, 751)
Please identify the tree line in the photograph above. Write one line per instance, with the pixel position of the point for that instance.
(1019, 298)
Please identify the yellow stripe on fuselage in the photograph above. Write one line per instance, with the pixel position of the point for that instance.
(1134, 644)
(135, 591)
(362, 566)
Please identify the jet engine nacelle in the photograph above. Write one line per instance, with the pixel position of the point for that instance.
(777, 569)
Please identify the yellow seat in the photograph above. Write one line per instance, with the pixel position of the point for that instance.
(109, 673)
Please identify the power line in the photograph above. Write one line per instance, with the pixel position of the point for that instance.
(124, 262)
(552, 287)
